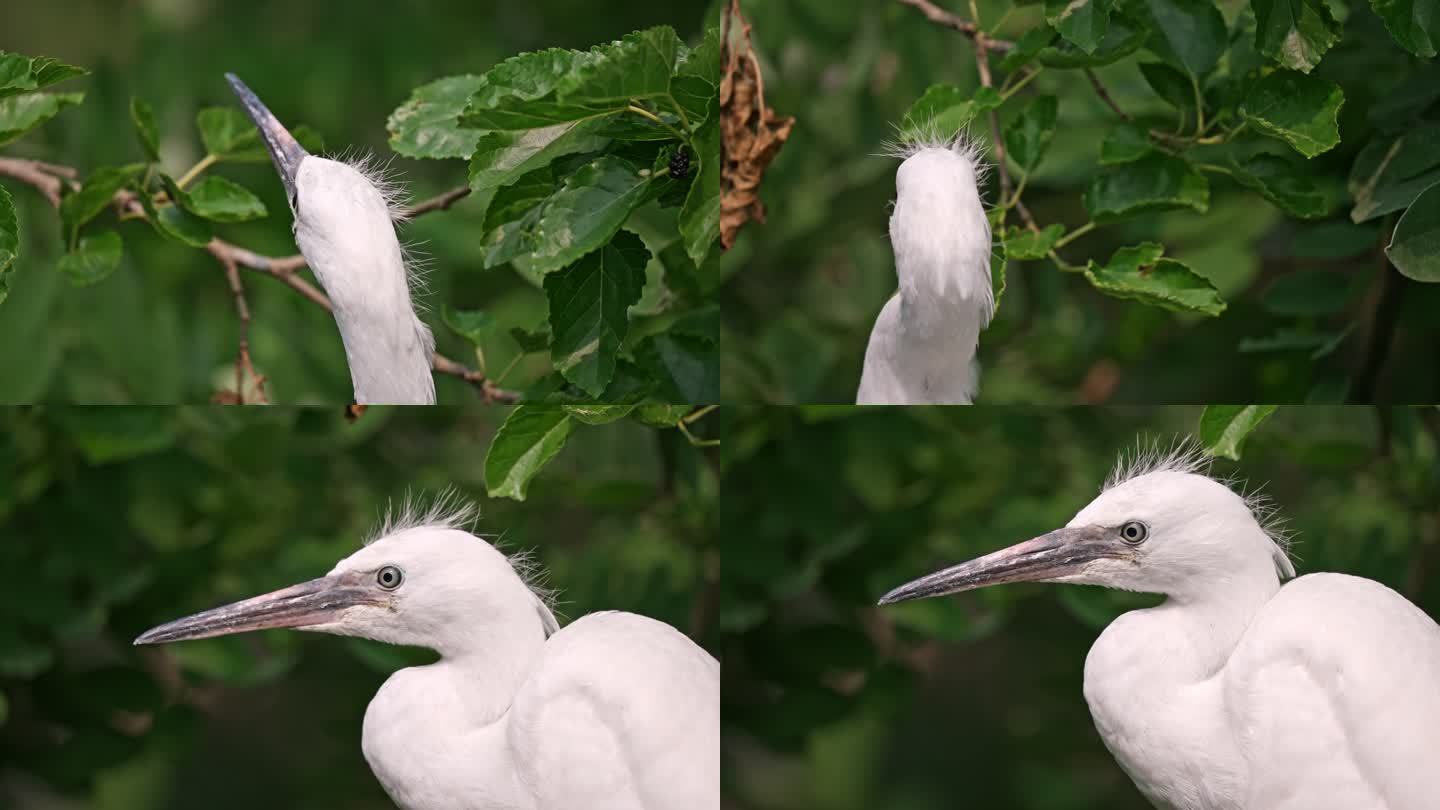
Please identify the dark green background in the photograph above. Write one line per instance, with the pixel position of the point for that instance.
(805, 288)
(113, 520)
(163, 328)
(975, 700)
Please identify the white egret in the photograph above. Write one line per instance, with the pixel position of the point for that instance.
(1236, 693)
(344, 225)
(922, 347)
(614, 712)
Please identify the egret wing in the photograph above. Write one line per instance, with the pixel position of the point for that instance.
(621, 713)
(1335, 692)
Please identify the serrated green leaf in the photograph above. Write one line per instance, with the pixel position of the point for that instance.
(1391, 171)
(9, 241)
(20, 114)
(585, 212)
(527, 441)
(1028, 135)
(220, 200)
(1299, 109)
(943, 110)
(1140, 274)
(687, 367)
(1023, 244)
(500, 158)
(96, 257)
(142, 116)
(1027, 48)
(1190, 34)
(1224, 428)
(175, 223)
(513, 214)
(998, 260)
(1156, 182)
(697, 78)
(22, 74)
(1415, 245)
(79, 207)
(1122, 38)
(1128, 141)
(1310, 293)
(1170, 85)
(519, 92)
(45, 71)
(589, 304)
(1415, 24)
(1295, 33)
(1082, 22)
(700, 215)
(638, 66)
(473, 324)
(594, 414)
(1287, 186)
(229, 135)
(427, 125)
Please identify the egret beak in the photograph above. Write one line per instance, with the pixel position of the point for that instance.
(319, 601)
(284, 149)
(1046, 558)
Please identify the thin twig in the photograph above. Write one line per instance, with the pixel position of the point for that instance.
(1382, 324)
(242, 357)
(1105, 94)
(47, 179)
(940, 16)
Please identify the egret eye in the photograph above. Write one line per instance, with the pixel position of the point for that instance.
(1134, 532)
(390, 577)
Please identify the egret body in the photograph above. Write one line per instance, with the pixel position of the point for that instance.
(344, 225)
(922, 347)
(614, 712)
(1236, 693)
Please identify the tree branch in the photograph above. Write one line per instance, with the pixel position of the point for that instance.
(1105, 94)
(941, 17)
(51, 180)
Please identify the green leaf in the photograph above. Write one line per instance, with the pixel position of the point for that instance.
(473, 324)
(79, 207)
(9, 241)
(1140, 274)
(427, 125)
(45, 71)
(97, 256)
(500, 158)
(638, 66)
(587, 210)
(599, 414)
(1310, 293)
(1414, 247)
(526, 442)
(1156, 182)
(142, 115)
(1299, 109)
(220, 200)
(1028, 135)
(229, 135)
(943, 110)
(660, 415)
(1027, 48)
(536, 341)
(1170, 85)
(175, 223)
(1128, 141)
(1295, 33)
(1391, 171)
(20, 114)
(700, 215)
(519, 92)
(1024, 244)
(1318, 344)
(1415, 24)
(513, 214)
(21, 74)
(589, 302)
(1189, 34)
(1082, 22)
(1284, 184)
(998, 256)
(1122, 38)
(697, 79)
(1223, 428)
(688, 367)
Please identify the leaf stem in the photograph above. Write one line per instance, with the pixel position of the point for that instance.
(1199, 108)
(196, 170)
(1215, 167)
(695, 442)
(699, 414)
(1075, 234)
(1005, 94)
(1019, 189)
(644, 113)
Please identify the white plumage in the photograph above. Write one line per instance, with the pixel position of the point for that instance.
(614, 712)
(1236, 693)
(344, 226)
(922, 347)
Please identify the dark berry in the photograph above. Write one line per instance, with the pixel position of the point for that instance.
(680, 164)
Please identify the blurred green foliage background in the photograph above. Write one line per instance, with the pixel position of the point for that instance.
(805, 288)
(163, 328)
(113, 520)
(975, 700)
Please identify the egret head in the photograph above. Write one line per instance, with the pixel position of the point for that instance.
(950, 166)
(1161, 525)
(426, 581)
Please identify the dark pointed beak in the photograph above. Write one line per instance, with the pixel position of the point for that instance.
(319, 601)
(284, 149)
(1049, 557)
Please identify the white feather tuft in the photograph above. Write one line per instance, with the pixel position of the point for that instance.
(910, 141)
(1186, 455)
